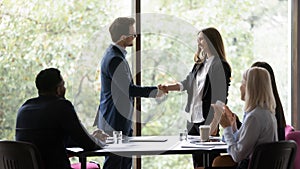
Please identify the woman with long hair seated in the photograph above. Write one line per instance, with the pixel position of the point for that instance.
(259, 123)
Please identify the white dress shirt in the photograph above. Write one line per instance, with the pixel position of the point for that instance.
(124, 52)
(196, 114)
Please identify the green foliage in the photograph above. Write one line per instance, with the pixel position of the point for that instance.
(39, 34)
(72, 36)
(240, 24)
(171, 161)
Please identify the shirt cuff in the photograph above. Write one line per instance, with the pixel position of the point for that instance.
(228, 130)
(180, 86)
(228, 135)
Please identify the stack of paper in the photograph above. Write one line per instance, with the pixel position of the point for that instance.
(218, 108)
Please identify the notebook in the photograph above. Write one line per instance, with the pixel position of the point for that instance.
(218, 108)
(147, 139)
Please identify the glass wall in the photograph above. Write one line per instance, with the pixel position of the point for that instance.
(72, 36)
(67, 34)
(253, 30)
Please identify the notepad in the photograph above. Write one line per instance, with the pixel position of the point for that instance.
(218, 108)
(196, 146)
(147, 139)
(210, 143)
(207, 142)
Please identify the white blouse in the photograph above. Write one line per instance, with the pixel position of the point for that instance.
(259, 126)
(196, 114)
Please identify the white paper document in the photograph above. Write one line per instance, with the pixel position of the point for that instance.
(189, 145)
(218, 108)
(211, 143)
(147, 139)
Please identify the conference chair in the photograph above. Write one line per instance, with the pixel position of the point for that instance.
(274, 155)
(288, 129)
(19, 155)
(295, 135)
(89, 165)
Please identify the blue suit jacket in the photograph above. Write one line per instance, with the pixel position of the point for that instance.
(118, 92)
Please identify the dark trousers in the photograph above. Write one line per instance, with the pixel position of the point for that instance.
(117, 162)
(193, 129)
(243, 164)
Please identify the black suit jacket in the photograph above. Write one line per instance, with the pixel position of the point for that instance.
(216, 86)
(47, 122)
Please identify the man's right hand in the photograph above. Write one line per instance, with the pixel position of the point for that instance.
(100, 134)
(162, 90)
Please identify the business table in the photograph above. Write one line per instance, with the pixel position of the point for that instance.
(152, 145)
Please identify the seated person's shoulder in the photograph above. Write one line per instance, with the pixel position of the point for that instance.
(63, 102)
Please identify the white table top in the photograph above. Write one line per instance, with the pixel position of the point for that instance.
(153, 145)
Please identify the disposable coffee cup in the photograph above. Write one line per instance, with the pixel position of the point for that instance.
(117, 135)
(204, 132)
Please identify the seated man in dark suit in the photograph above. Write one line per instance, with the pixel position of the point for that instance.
(49, 120)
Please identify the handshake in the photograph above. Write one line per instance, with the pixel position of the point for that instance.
(164, 89)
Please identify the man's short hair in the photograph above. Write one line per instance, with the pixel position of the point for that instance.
(47, 80)
(120, 27)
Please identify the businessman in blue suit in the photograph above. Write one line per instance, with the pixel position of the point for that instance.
(118, 90)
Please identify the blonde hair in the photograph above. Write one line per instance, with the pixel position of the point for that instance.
(258, 90)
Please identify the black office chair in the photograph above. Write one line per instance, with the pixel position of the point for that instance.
(274, 155)
(19, 155)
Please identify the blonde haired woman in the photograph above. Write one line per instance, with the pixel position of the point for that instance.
(259, 124)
